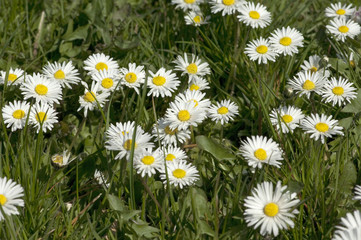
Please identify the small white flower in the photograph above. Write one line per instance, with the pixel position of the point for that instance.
(180, 173)
(201, 103)
(198, 84)
(147, 162)
(172, 154)
(196, 18)
(62, 159)
(15, 76)
(223, 111)
(339, 92)
(10, 197)
(357, 193)
(255, 16)
(286, 41)
(192, 68)
(260, 50)
(100, 178)
(314, 65)
(119, 129)
(43, 116)
(337, 10)
(341, 29)
(306, 82)
(162, 83)
(64, 73)
(98, 62)
(133, 76)
(187, 5)
(167, 136)
(91, 98)
(350, 228)
(107, 80)
(286, 118)
(15, 114)
(227, 7)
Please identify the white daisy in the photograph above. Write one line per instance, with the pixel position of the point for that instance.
(132, 76)
(196, 18)
(286, 40)
(98, 62)
(272, 209)
(10, 197)
(43, 116)
(286, 118)
(357, 193)
(90, 99)
(180, 173)
(172, 154)
(167, 136)
(259, 150)
(314, 65)
(62, 159)
(198, 84)
(307, 82)
(107, 80)
(64, 73)
(100, 178)
(15, 114)
(119, 128)
(260, 50)
(255, 16)
(321, 126)
(350, 228)
(15, 76)
(227, 7)
(162, 83)
(223, 111)
(193, 68)
(197, 97)
(339, 92)
(337, 10)
(147, 162)
(42, 89)
(186, 5)
(341, 29)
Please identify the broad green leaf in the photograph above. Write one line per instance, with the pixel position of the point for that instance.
(79, 33)
(355, 105)
(216, 149)
(347, 178)
(345, 122)
(294, 186)
(115, 203)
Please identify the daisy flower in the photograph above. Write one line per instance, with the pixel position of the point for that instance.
(107, 80)
(321, 126)
(286, 41)
(198, 84)
(90, 99)
(307, 82)
(172, 154)
(193, 68)
(42, 89)
(337, 10)
(147, 162)
(339, 92)
(64, 73)
(286, 118)
(98, 61)
(255, 16)
(10, 197)
(100, 178)
(259, 150)
(227, 7)
(350, 228)
(132, 76)
(180, 173)
(341, 29)
(119, 128)
(196, 18)
(357, 193)
(314, 65)
(260, 50)
(15, 114)
(43, 116)
(15, 76)
(270, 208)
(223, 111)
(62, 159)
(186, 5)
(162, 83)
(181, 115)
(197, 97)
(167, 136)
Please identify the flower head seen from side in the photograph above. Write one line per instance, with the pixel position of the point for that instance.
(61, 159)
(196, 18)
(357, 191)
(321, 126)
(227, 7)
(339, 92)
(198, 84)
(64, 73)
(306, 82)
(259, 150)
(15, 114)
(349, 228)
(313, 64)
(255, 16)
(162, 83)
(107, 80)
(43, 116)
(286, 41)
(119, 129)
(101, 179)
(198, 97)
(41, 89)
(133, 76)
(286, 118)
(15, 76)
(187, 5)
(338, 10)
(341, 29)
(148, 162)
(10, 197)
(99, 61)
(167, 136)
(270, 208)
(261, 51)
(194, 67)
(91, 99)
(172, 154)
(223, 111)
(180, 173)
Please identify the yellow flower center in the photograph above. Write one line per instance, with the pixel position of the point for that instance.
(89, 97)
(192, 68)
(352, 63)
(18, 114)
(41, 117)
(12, 77)
(189, 1)
(343, 29)
(322, 127)
(228, 2)
(159, 80)
(313, 69)
(197, 19)
(260, 154)
(59, 74)
(262, 49)
(287, 118)
(193, 87)
(286, 41)
(169, 131)
(179, 173)
(131, 77)
(3, 200)
(41, 89)
(107, 83)
(184, 115)
(340, 12)
(271, 209)
(170, 157)
(254, 14)
(308, 85)
(58, 159)
(101, 66)
(148, 160)
(128, 145)
(338, 91)
(222, 110)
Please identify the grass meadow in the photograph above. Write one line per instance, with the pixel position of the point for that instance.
(70, 203)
